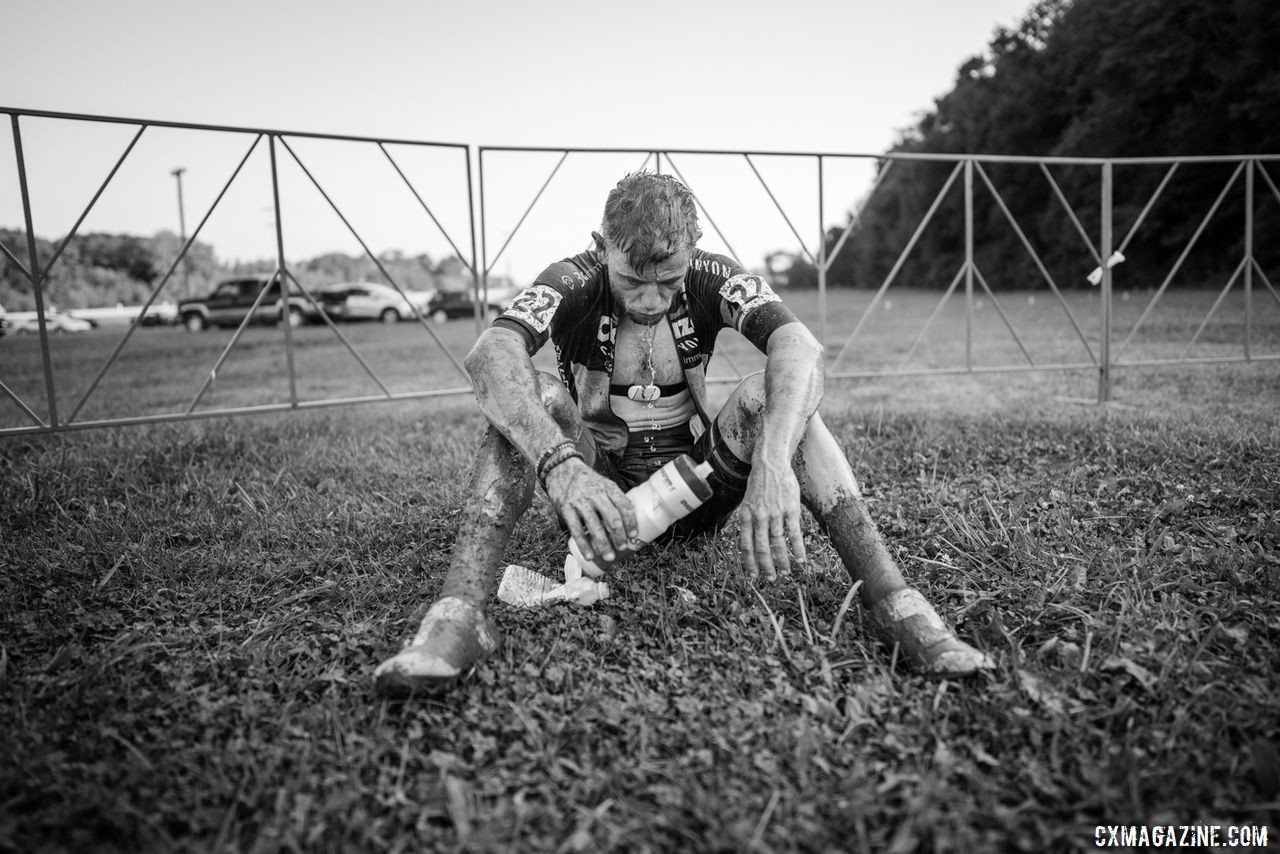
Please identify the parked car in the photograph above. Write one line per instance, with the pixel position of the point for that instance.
(448, 305)
(55, 321)
(372, 301)
(232, 299)
(159, 314)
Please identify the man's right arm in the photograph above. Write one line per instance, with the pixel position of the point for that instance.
(599, 515)
(506, 388)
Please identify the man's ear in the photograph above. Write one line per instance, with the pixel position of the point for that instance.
(599, 242)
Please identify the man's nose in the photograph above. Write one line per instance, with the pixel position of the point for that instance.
(651, 299)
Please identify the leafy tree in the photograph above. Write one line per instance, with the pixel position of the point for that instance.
(1095, 78)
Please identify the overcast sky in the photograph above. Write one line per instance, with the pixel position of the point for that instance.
(798, 76)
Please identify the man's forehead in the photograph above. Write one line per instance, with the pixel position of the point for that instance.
(674, 264)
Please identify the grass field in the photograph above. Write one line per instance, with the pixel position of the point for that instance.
(190, 615)
(161, 371)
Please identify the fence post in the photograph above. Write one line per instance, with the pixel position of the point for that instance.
(37, 280)
(482, 268)
(968, 264)
(476, 261)
(1248, 259)
(1104, 371)
(822, 270)
(283, 274)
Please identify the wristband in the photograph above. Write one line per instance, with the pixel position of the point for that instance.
(557, 454)
(571, 454)
(549, 452)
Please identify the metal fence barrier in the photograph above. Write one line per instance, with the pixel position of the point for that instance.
(1096, 347)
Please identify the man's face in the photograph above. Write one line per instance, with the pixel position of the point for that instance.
(646, 294)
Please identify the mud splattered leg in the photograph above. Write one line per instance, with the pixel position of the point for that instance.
(899, 614)
(827, 486)
(456, 634)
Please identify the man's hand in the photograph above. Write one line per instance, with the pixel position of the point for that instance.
(599, 514)
(770, 521)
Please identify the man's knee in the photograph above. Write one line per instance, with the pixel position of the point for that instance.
(739, 420)
(747, 398)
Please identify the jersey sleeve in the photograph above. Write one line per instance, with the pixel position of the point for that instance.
(533, 309)
(753, 309)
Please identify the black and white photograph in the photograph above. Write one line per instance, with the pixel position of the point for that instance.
(667, 427)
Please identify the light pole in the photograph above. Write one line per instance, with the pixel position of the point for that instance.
(182, 227)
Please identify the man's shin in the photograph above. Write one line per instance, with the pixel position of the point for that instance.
(831, 493)
(500, 492)
(846, 521)
(898, 614)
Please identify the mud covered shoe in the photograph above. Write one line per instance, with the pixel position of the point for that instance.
(906, 618)
(454, 636)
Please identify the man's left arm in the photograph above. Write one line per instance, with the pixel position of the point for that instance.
(770, 519)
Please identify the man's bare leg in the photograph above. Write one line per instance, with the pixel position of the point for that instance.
(456, 634)
(899, 614)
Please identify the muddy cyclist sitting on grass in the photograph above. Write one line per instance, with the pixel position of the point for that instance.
(640, 311)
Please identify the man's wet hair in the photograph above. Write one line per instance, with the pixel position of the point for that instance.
(650, 217)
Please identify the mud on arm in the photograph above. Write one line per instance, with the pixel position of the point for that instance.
(770, 519)
(599, 515)
(506, 388)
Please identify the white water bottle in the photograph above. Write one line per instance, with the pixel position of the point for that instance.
(525, 588)
(671, 493)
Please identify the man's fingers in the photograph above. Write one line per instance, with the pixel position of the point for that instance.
(579, 534)
(747, 547)
(600, 544)
(796, 538)
(627, 511)
(768, 543)
(615, 510)
(764, 549)
(778, 546)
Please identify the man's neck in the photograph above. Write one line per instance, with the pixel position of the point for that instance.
(632, 346)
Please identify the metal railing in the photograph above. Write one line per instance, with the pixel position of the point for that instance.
(1092, 347)
(1099, 355)
(37, 272)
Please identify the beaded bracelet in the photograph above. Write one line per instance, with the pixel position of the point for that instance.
(561, 453)
(573, 454)
(549, 452)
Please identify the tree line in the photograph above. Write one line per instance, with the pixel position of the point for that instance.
(102, 269)
(1086, 78)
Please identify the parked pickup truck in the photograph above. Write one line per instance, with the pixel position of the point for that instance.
(232, 299)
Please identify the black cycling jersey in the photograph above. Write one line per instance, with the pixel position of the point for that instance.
(571, 304)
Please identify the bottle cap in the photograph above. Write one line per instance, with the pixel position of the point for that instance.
(694, 476)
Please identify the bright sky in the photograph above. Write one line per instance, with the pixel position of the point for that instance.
(800, 76)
